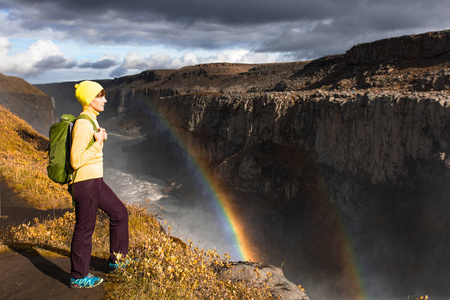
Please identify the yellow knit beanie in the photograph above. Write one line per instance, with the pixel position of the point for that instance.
(86, 91)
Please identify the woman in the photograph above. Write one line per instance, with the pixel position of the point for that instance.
(90, 191)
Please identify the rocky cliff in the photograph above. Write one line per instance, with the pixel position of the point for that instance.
(418, 46)
(28, 102)
(388, 138)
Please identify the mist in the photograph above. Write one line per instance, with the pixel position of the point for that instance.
(190, 219)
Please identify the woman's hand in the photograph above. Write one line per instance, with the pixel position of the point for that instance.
(101, 135)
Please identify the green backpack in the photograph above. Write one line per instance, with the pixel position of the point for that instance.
(59, 168)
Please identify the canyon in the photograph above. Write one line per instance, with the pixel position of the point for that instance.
(339, 161)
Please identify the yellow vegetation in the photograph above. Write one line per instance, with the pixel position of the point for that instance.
(162, 267)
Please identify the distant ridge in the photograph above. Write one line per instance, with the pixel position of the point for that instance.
(28, 102)
(416, 46)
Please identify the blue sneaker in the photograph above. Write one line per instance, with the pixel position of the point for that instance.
(87, 282)
(114, 267)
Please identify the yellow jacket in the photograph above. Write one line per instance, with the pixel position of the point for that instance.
(87, 162)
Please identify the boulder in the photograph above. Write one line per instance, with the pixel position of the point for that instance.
(259, 274)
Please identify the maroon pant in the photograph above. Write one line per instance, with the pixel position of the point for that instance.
(88, 196)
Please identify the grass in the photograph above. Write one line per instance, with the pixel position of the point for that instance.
(23, 164)
(166, 268)
(163, 267)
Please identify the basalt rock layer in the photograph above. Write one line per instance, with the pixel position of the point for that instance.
(254, 141)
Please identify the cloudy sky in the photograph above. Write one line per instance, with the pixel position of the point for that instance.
(68, 40)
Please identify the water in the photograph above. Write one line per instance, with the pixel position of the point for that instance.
(131, 188)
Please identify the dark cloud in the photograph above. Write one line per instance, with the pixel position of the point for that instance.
(308, 28)
(101, 64)
(54, 62)
(365, 22)
(224, 12)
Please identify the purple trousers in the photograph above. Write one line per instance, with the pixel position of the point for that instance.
(88, 196)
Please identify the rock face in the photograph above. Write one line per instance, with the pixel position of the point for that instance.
(29, 103)
(384, 138)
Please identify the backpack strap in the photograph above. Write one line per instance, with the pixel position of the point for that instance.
(91, 142)
(86, 117)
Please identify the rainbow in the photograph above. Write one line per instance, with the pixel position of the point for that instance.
(350, 260)
(234, 228)
(228, 217)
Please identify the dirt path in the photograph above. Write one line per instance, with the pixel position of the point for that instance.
(25, 274)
